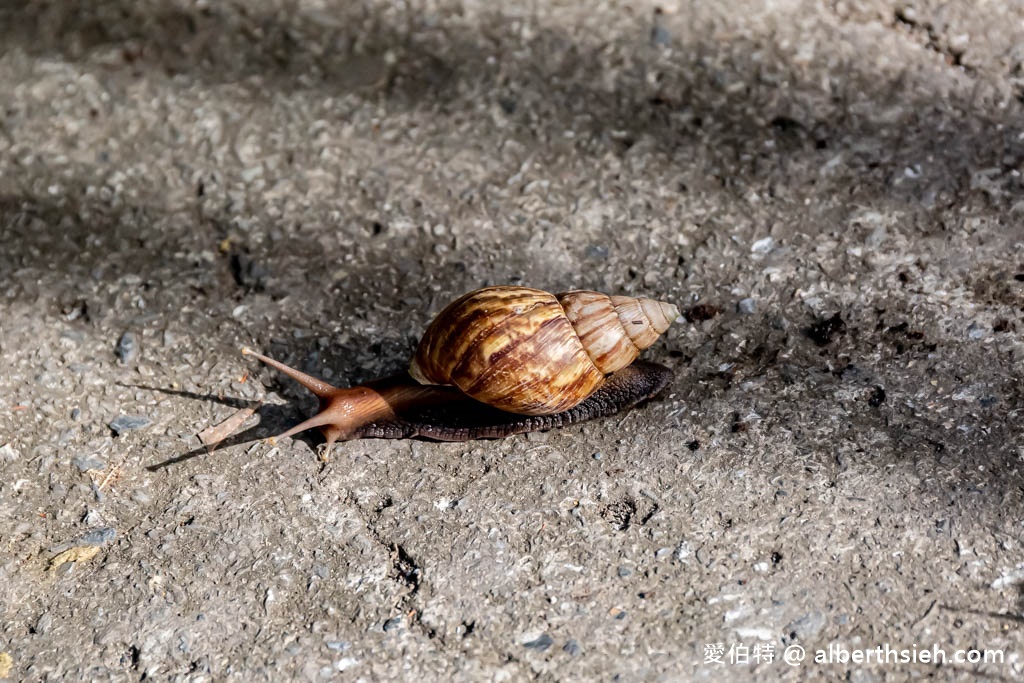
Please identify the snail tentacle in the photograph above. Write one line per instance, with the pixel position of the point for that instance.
(318, 387)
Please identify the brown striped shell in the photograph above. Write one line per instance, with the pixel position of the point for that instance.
(531, 352)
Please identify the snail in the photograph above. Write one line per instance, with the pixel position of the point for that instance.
(501, 361)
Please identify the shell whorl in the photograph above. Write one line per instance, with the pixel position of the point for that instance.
(615, 329)
(528, 351)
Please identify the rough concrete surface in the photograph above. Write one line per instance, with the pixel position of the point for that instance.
(832, 190)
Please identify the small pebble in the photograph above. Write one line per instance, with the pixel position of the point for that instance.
(252, 173)
(763, 246)
(100, 536)
(660, 37)
(541, 643)
(43, 624)
(84, 463)
(747, 306)
(808, 626)
(125, 423)
(345, 663)
(572, 648)
(92, 518)
(140, 497)
(127, 348)
(8, 454)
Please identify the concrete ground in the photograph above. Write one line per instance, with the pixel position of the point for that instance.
(833, 191)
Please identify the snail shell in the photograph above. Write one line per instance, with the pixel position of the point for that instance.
(531, 352)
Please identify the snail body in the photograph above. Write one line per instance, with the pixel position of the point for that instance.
(504, 360)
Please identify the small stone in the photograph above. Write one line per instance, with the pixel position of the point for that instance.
(127, 348)
(8, 454)
(763, 246)
(595, 251)
(392, 624)
(84, 463)
(808, 626)
(907, 15)
(660, 36)
(92, 518)
(126, 423)
(541, 643)
(43, 624)
(75, 554)
(683, 551)
(57, 489)
(97, 537)
(572, 648)
(345, 663)
(958, 44)
(746, 306)
(252, 173)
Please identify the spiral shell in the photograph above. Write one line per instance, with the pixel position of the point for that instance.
(531, 352)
